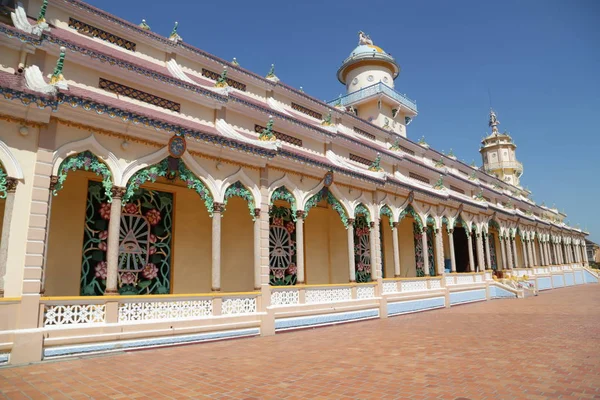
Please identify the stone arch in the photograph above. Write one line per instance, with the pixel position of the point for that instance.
(362, 209)
(91, 145)
(387, 211)
(283, 193)
(409, 210)
(289, 186)
(243, 179)
(238, 189)
(9, 162)
(332, 200)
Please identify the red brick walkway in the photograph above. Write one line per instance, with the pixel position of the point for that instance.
(542, 347)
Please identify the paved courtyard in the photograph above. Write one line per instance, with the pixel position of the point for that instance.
(535, 348)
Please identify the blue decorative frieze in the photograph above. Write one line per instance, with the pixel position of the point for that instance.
(468, 296)
(410, 306)
(501, 293)
(544, 283)
(557, 281)
(69, 350)
(29, 98)
(22, 36)
(324, 319)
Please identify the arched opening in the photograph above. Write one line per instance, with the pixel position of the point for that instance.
(326, 245)
(362, 244)
(237, 240)
(283, 238)
(461, 245)
(431, 245)
(410, 227)
(519, 245)
(446, 244)
(494, 244)
(78, 227)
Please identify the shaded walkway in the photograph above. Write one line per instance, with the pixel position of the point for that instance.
(540, 347)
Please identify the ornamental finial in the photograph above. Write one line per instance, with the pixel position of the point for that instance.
(267, 134)
(376, 164)
(364, 39)
(42, 15)
(235, 62)
(439, 185)
(144, 25)
(222, 79)
(327, 120)
(271, 75)
(174, 36)
(493, 123)
(57, 75)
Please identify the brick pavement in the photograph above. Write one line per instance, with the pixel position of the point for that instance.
(534, 348)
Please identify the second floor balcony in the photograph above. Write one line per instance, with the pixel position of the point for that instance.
(409, 106)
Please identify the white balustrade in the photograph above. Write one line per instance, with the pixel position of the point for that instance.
(74, 314)
(285, 297)
(464, 279)
(365, 292)
(164, 310)
(413, 286)
(478, 278)
(449, 280)
(435, 284)
(238, 305)
(328, 295)
(488, 276)
(390, 287)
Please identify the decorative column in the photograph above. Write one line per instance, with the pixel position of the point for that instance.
(257, 278)
(542, 255)
(529, 254)
(351, 265)
(585, 256)
(425, 251)
(503, 247)
(439, 251)
(452, 256)
(514, 250)
(524, 249)
(216, 246)
(548, 252)
(373, 251)
(112, 250)
(480, 262)
(471, 260)
(396, 249)
(488, 256)
(509, 256)
(9, 202)
(534, 251)
(300, 246)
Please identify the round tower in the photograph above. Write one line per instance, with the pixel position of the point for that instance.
(498, 154)
(368, 74)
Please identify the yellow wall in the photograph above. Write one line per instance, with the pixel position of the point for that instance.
(63, 268)
(326, 247)
(388, 248)
(237, 247)
(2, 205)
(519, 245)
(406, 243)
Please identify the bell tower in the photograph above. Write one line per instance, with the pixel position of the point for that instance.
(498, 154)
(368, 74)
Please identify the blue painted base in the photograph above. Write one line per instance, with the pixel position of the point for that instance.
(589, 278)
(578, 277)
(544, 283)
(569, 280)
(409, 306)
(558, 281)
(501, 293)
(70, 350)
(467, 296)
(325, 319)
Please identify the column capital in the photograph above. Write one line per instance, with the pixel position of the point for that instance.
(11, 184)
(300, 214)
(394, 225)
(350, 221)
(117, 192)
(257, 212)
(53, 182)
(372, 224)
(218, 207)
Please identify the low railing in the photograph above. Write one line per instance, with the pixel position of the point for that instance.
(373, 90)
(516, 165)
(321, 294)
(411, 285)
(71, 311)
(464, 278)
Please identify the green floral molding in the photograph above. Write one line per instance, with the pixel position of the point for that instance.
(376, 164)
(385, 210)
(439, 185)
(409, 210)
(331, 200)
(3, 188)
(396, 145)
(267, 134)
(282, 193)
(440, 163)
(85, 161)
(239, 190)
(327, 120)
(161, 170)
(222, 79)
(431, 221)
(464, 225)
(362, 210)
(494, 224)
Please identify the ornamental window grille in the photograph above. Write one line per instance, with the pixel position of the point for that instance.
(136, 94)
(360, 159)
(406, 150)
(92, 31)
(214, 76)
(492, 245)
(282, 247)
(419, 254)
(362, 249)
(145, 238)
(364, 133)
(463, 172)
(307, 111)
(487, 199)
(418, 177)
(281, 136)
(456, 189)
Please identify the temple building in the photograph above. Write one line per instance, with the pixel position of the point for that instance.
(154, 194)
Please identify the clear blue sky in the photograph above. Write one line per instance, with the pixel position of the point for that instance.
(540, 59)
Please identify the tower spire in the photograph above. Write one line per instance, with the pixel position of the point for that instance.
(493, 123)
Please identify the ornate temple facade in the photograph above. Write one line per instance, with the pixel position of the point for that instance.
(154, 194)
